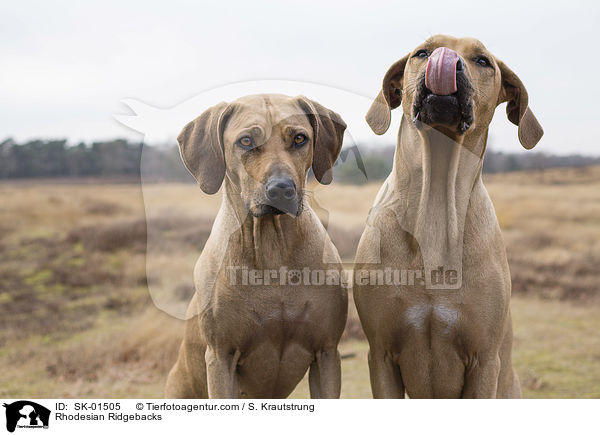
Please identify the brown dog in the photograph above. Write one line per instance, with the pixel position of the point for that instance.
(441, 327)
(255, 336)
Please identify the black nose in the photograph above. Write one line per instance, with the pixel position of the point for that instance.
(460, 65)
(280, 188)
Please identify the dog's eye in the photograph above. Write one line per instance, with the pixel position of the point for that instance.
(483, 61)
(246, 143)
(300, 140)
(421, 53)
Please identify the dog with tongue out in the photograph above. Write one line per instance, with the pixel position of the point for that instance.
(448, 333)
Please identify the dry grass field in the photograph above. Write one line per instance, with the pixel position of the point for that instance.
(76, 319)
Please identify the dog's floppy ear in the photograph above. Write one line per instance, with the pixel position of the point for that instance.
(379, 115)
(328, 130)
(518, 111)
(201, 148)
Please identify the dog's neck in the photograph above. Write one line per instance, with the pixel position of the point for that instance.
(267, 241)
(435, 176)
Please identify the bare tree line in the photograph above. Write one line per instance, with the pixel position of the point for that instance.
(119, 157)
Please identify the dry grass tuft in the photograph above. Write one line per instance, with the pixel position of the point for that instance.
(147, 348)
(120, 235)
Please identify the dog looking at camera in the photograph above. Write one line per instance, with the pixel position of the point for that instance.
(249, 340)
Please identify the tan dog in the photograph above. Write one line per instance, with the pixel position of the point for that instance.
(256, 336)
(440, 327)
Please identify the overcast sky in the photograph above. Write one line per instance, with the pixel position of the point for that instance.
(65, 66)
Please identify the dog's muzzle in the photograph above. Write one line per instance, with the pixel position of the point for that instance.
(281, 196)
(444, 94)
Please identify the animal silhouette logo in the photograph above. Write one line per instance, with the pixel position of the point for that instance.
(162, 125)
(26, 414)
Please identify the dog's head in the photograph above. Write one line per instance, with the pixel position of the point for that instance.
(454, 85)
(265, 144)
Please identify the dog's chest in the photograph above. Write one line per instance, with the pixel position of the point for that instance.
(441, 317)
(272, 314)
(283, 310)
(444, 321)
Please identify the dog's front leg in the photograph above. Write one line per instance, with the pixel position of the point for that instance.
(481, 379)
(325, 375)
(386, 381)
(221, 370)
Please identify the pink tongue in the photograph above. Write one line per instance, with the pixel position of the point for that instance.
(440, 75)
